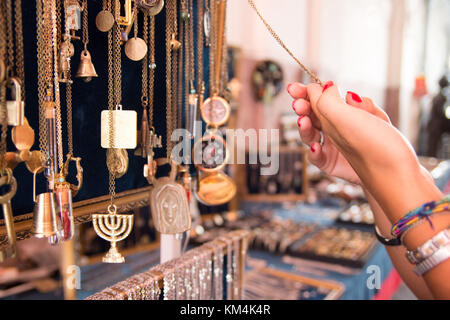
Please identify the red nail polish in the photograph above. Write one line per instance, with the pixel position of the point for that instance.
(327, 85)
(289, 87)
(313, 149)
(355, 97)
(293, 105)
(298, 121)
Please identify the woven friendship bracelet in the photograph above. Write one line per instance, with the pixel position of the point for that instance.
(422, 212)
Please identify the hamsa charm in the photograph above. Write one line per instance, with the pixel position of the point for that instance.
(169, 205)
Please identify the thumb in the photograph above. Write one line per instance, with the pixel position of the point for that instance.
(327, 102)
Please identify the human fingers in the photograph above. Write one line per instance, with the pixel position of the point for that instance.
(308, 132)
(366, 104)
(297, 90)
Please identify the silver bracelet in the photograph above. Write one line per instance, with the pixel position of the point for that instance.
(440, 256)
(429, 248)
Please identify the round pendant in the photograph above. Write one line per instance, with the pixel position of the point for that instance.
(104, 21)
(215, 111)
(136, 49)
(210, 153)
(216, 189)
(153, 11)
(146, 4)
(117, 162)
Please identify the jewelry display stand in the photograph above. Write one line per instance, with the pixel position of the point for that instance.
(203, 273)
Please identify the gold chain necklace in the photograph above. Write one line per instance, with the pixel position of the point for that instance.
(282, 44)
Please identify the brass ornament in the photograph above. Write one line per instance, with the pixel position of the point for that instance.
(23, 136)
(15, 107)
(104, 21)
(45, 221)
(215, 111)
(215, 189)
(124, 123)
(175, 45)
(113, 227)
(86, 69)
(156, 9)
(169, 205)
(117, 162)
(136, 49)
(35, 162)
(213, 152)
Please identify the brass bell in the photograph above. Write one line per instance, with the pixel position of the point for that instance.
(45, 223)
(86, 68)
(44, 217)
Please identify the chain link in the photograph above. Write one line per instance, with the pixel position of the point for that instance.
(151, 90)
(170, 31)
(281, 43)
(85, 35)
(20, 64)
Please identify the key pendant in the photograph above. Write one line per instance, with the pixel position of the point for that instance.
(5, 200)
(169, 205)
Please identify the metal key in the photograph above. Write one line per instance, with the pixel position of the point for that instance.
(5, 200)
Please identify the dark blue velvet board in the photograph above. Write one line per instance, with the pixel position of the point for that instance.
(89, 99)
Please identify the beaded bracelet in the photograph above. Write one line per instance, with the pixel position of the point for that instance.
(422, 212)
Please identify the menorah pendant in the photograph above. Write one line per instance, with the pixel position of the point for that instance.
(113, 228)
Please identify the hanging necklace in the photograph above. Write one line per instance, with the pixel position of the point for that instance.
(149, 139)
(282, 44)
(118, 127)
(168, 199)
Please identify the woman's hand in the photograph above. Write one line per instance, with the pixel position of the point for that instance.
(379, 155)
(327, 157)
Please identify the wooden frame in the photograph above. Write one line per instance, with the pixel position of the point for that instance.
(83, 210)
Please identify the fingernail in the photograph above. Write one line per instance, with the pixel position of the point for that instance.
(327, 85)
(289, 87)
(355, 97)
(298, 121)
(313, 149)
(293, 105)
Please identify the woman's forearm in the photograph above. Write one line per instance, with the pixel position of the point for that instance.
(397, 254)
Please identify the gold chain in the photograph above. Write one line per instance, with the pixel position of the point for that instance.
(10, 37)
(56, 35)
(151, 91)
(212, 9)
(145, 65)
(200, 39)
(3, 110)
(281, 43)
(42, 76)
(85, 25)
(20, 64)
(69, 82)
(170, 31)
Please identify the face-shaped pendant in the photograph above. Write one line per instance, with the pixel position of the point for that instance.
(170, 207)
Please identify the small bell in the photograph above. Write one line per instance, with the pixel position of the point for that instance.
(45, 221)
(86, 68)
(44, 217)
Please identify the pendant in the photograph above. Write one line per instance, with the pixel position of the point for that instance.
(104, 21)
(15, 108)
(207, 27)
(169, 205)
(215, 189)
(113, 227)
(136, 49)
(117, 162)
(125, 128)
